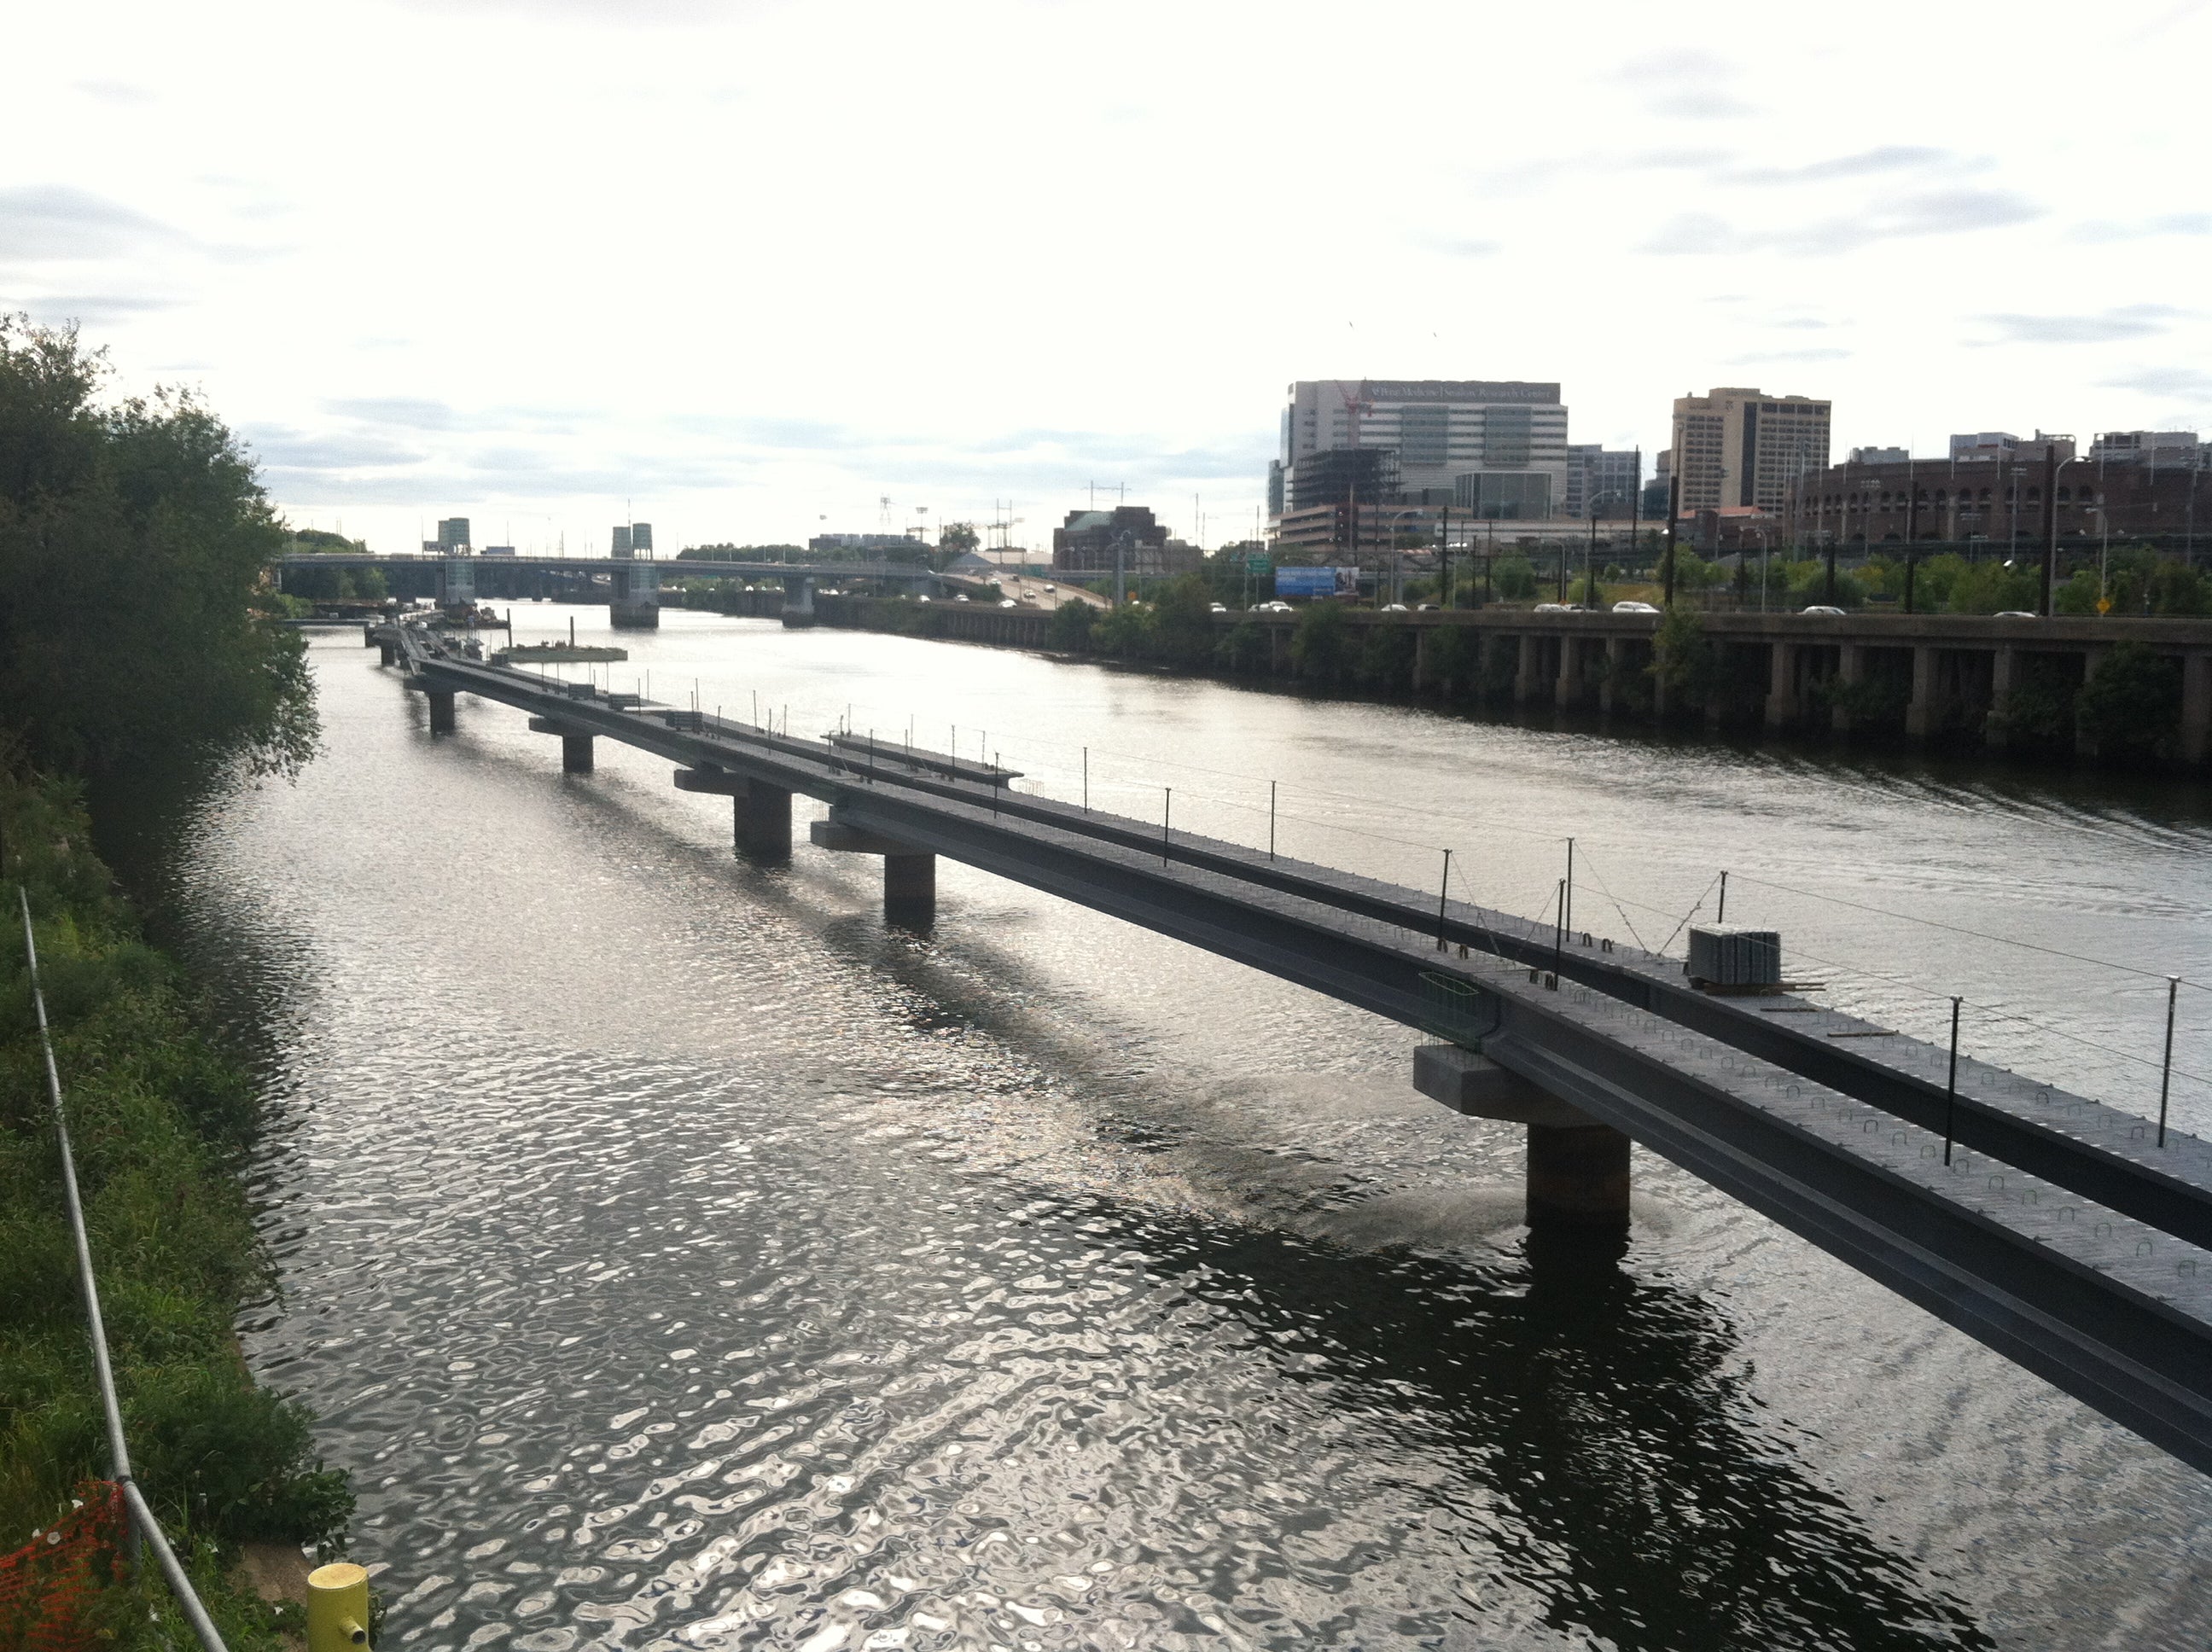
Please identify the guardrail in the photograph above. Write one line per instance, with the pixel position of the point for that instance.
(118, 1450)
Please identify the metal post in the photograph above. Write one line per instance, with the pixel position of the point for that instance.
(1086, 780)
(2166, 1073)
(1950, 1090)
(1167, 806)
(1567, 905)
(1444, 893)
(1721, 917)
(1559, 934)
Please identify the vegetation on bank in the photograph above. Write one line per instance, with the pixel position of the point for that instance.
(133, 638)
(133, 542)
(160, 1119)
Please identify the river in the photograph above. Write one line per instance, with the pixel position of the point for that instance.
(678, 1256)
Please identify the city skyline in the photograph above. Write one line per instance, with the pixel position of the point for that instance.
(762, 267)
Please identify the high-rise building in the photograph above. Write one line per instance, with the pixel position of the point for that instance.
(1880, 455)
(453, 533)
(1601, 482)
(1735, 446)
(1489, 447)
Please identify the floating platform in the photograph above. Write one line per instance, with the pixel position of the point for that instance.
(530, 653)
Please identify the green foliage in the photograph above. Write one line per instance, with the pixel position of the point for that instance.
(1125, 632)
(1320, 645)
(2130, 709)
(1183, 621)
(132, 540)
(1513, 578)
(1073, 623)
(1455, 657)
(159, 1118)
(957, 539)
(1684, 660)
(1245, 648)
(1386, 658)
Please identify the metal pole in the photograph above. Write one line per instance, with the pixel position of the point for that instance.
(1167, 806)
(2166, 1073)
(1443, 892)
(1271, 820)
(1567, 898)
(1558, 933)
(1086, 780)
(1951, 1089)
(1720, 916)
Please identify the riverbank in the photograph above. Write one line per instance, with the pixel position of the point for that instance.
(2122, 692)
(162, 1120)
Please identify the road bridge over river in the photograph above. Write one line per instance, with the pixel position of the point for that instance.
(2071, 1237)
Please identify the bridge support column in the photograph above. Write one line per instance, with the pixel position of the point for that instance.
(386, 654)
(441, 710)
(1616, 665)
(2003, 665)
(1850, 671)
(1577, 1173)
(1567, 690)
(1782, 684)
(2196, 707)
(1920, 710)
(1525, 673)
(576, 754)
(909, 874)
(760, 814)
(2093, 661)
(799, 602)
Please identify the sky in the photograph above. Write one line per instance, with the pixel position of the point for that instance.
(747, 268)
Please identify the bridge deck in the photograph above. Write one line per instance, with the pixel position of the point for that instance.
(2110, 1299)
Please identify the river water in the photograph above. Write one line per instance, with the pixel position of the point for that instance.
(679, 1257)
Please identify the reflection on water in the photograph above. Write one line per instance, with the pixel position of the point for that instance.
(681, 1258)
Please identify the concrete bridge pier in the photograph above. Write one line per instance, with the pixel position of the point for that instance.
(1578, 1175)
(798, 601)
(1920, 710)
(1527, 670)
(1616, 668)
(1781, 685)
(909, 874)
(441, 710)
(2004, 665)
(1850, 671)
(760, 814)
(575, 744)
(2196, 707)
(386, 654)
(1568, 689)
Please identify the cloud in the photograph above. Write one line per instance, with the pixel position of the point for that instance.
(2182, 382)
(2129, 321)
(1892, 157)
(54, 223)
(650, 13)
(1459, 246)
(2172, 223)
(414, 413)
(1686, 85)
(116, 91)
(1941, 212)
(1790, 355)
(284, 448)
(96, 309)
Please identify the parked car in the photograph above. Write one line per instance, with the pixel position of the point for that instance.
(1635, 608)
(1823, 608)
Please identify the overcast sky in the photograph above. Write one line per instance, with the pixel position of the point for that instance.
(742, 268)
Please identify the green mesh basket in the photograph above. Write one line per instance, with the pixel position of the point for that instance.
(1452, 1009)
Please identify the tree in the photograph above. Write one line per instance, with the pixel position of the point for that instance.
(133, 543)
(1071, 623)
(957, 539)
(2129, 709)
(1320, 647)
(1183, 621)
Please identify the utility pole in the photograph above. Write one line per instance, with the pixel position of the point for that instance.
(1674, 516)
(2051, 521)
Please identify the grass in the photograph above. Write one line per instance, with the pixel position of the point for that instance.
(160, 1119)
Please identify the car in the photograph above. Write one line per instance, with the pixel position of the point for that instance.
(2013, 613)
(1554, 608)
(921, 599)
(1394, 608)
(1052, 587)
(1007, 602)
(1427, 608)
(960, 596)
(1823, 609)
(1635, 608)
(1218, 608)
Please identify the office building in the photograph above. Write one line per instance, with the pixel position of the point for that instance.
(1735, 446)
(1601, 482)
(1996, 447)
(453, 533)
(1880, 455)
(2165, 450)
(1090, 541)
(1488, 448)
(1654, 491)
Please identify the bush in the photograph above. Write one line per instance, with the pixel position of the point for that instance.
(1245, 647)
(1320, 647)
(2130, 708)
(1073, 623)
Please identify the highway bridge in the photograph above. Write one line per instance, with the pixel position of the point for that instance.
(2073, 1238)
(632, 584)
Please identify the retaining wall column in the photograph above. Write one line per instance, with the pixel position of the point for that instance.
(2004, 663)
(2093, 661)
(1616, 659)
(1524, 676)
(1567, 690)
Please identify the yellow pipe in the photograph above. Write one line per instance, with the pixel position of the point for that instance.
(338, 1608)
